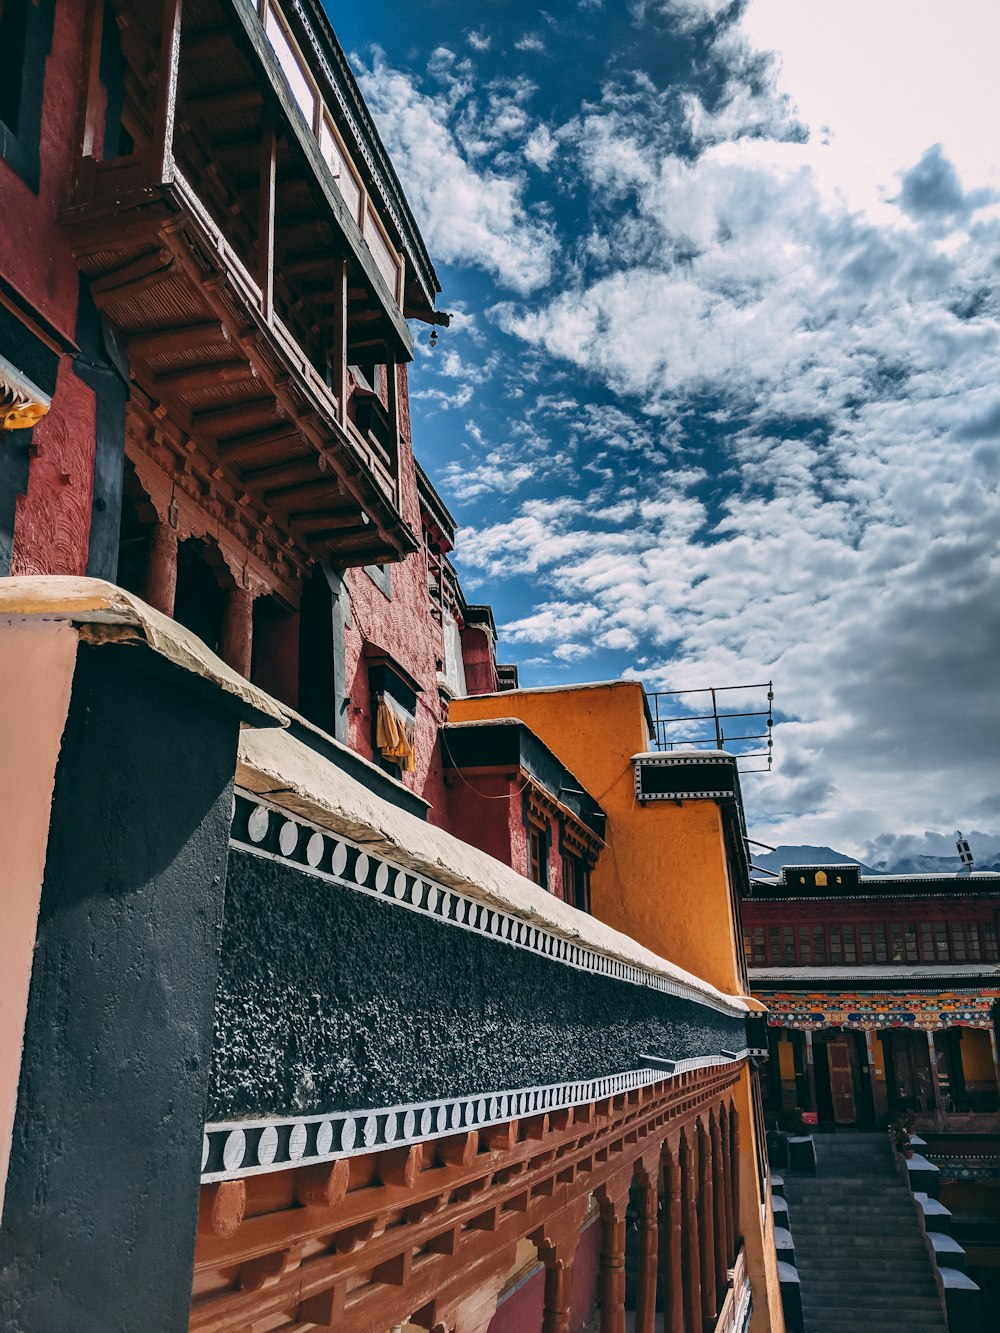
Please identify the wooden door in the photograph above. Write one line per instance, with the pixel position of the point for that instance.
(841, 1064)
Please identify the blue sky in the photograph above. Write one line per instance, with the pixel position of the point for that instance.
(720, 401)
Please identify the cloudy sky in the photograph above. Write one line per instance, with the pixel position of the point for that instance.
(721, 399)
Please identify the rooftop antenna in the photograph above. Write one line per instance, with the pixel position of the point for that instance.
(965, 853)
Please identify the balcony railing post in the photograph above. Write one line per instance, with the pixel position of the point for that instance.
(706, 1225)
(166, 90)
(648, 1179)
(691, 1253)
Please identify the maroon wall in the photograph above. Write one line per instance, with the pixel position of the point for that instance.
(522, 1311)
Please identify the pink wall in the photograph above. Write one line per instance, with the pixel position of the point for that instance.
(36, 667)
(522, 1311)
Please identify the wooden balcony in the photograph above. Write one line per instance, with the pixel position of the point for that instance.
(217, 244)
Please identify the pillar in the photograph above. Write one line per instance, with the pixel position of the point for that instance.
(691, 1251)
(996, 1056)
(161, 569)
(727, 1175)
(811, 1070)
(558, 1296)
(935, 1080)
(673, 1303)
(114, 1084)
(645, 1318)
(613, 1201)
(706, 1224)
(719, 1201)
(237, 630)
(734, 1182)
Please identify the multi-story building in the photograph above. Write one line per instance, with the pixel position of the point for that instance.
(883, 994)
(329, 1001)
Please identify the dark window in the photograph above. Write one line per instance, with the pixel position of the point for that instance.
(759, 953)
(972, 933)
(576, 886)
(537, 860)
(836, 945)
(200, 599)
(850, 946)
(896, 935)
(805, 945)
(880, 950)
(910, 938)
(25, 37)
(13, 53)
(990, 941)
(819, 945)
(787, 945)
(941, 941)
(867, 953)
(774, 944)
(926, 942)
(958, 944)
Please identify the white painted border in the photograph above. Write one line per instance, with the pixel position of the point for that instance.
(253, 1147)
(436, 901)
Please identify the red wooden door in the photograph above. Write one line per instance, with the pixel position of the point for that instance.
(842, 1081)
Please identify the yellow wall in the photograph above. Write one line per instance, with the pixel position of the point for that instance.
(662, 878)
(977, 1056)
(786, 1058)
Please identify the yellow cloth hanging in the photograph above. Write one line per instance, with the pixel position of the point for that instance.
(396, 734)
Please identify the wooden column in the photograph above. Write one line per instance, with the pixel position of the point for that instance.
(719, 1201)
(613, 1201)
(691, 1251)
(92, 118)
(810, 1070)
(935, 1080)
(706, 1224)
(265, 219)
(161, 146)
(727, 1173)
(734, 1180)
(161, 569)
(557, 1245)
(996, 1055)
(338, 353)
(648, 1180)
(673, 1304)
(237, 630)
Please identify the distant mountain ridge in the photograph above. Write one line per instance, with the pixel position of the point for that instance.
(907, 865)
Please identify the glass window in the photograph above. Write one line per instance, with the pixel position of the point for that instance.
(910, 936)
(819, 945)
(336, 159)
(850, 945)
(292, 65)
(787, 945)
(972, 937)
(759, 954)
(576, 887)
(958, 943)
(990, 941)
(867, 953)
(805, 945)
(13, 31)
(836, 945)
(896, 935)
(537, 859)
(774, 944)
(926, 942)
(941, 941)
(880, 950)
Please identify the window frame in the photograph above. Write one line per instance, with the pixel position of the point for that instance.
(21, 142)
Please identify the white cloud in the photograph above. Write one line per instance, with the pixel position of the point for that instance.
(467, 215)
(479, 41)
(531, 41)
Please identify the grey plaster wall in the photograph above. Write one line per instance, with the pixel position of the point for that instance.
(330, 999)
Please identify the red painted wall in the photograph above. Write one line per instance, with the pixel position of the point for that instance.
(586, 1276)
(52, 528)
(483, 809)
(522, 1311)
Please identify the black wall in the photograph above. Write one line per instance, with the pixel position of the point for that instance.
(102, 1196)
(332, 999)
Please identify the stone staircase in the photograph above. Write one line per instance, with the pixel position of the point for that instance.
(860, 1253)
